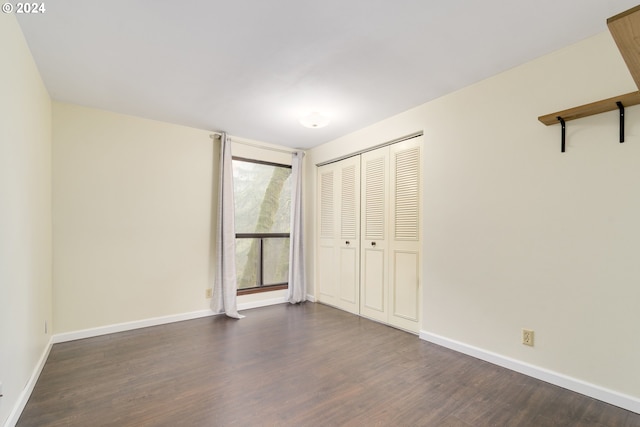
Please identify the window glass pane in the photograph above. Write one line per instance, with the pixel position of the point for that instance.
(276, 260)
(247, 263)
(262, 197)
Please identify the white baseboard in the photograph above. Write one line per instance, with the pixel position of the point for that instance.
(28, 388)
(311, 298)
(609, 396)
(127, 326)
(154, 321)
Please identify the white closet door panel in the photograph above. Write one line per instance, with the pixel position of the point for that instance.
(375, 206)
(405, 187)
(404, 285)
(405, 292)
(374, 294)
(338, 258)
(349, 279)
(348, 239)
(327, 283)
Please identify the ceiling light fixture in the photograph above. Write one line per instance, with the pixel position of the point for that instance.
(314, 120)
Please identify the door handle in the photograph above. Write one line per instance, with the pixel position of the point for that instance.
(373, 244)
(347, 243)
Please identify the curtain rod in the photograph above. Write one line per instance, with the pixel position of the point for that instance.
(251, 144)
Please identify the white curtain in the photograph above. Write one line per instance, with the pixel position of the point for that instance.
(225, 285)
(297, 285)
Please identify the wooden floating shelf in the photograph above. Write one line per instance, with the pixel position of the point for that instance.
(586, 110)
(625, 29)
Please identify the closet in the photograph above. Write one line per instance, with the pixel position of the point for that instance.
(368, 236)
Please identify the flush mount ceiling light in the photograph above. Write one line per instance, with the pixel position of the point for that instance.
(314, 120)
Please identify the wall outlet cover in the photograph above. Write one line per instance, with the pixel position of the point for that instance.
(527, 337)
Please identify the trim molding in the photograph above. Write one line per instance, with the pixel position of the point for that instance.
(154, 321)
(14, 415)
(127, 326)
(597, 392)
(375, 147)
(144, 323)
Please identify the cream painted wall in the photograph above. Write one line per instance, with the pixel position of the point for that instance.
(132, 218)
(25, 215)
(517, 234)
(132, 208)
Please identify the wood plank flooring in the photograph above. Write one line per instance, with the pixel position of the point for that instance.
(284, 365)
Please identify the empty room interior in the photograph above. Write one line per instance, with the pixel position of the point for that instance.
(366, 213)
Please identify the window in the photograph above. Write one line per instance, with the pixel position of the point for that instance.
(262, 194)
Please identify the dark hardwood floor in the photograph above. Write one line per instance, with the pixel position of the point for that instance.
(284, 365)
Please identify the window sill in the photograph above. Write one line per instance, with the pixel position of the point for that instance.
(261, 289)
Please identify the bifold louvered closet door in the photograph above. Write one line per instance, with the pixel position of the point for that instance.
(388, 224)
(339, 234)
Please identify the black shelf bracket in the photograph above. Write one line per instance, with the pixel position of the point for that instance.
(621, 108)
(564, 132)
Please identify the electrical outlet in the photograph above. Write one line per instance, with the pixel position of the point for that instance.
(527, 337)
(208, 293)
(46, 327)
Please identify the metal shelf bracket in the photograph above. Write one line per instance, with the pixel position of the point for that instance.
(621, 108)
(564, 133)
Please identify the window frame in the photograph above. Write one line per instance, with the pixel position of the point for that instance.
(261, 287)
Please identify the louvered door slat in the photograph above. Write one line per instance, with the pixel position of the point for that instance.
(326, 205)
(348, 207)
(407, 187)
(375, 199)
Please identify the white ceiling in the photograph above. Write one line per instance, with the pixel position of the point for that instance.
(252, 67)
